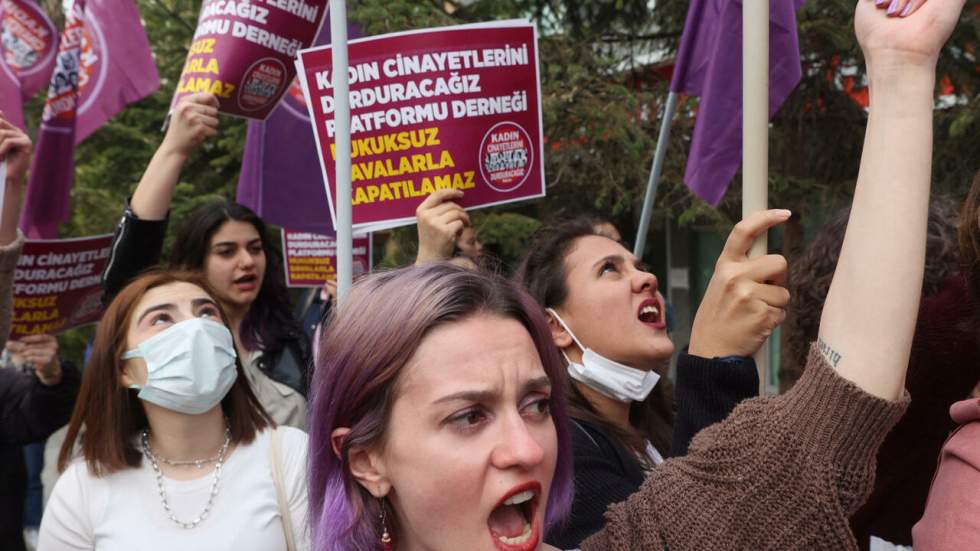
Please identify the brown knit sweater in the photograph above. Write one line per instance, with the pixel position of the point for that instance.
(781, 473)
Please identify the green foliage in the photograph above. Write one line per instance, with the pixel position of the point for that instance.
(505, 235)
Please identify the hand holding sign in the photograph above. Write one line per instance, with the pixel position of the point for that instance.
(39, 352)
(15, 158)
(194, 120)
(15, 148)
(440, 220)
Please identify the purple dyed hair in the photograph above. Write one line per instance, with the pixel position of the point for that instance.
(362, 353)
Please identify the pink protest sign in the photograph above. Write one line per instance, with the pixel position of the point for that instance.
(454, 107)
(311, 259)
(57, 284)
(243, 51)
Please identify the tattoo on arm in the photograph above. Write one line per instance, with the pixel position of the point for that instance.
(829, 353)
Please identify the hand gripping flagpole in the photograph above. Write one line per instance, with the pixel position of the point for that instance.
(341, 86)
(755, 133)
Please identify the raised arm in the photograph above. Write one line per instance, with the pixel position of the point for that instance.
(194, 120)
(138, 240)
(806, 457)
(871, 308)
(15, 151)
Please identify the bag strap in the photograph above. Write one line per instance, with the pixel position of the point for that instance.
(287, 521)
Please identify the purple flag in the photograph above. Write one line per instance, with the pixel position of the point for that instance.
(103, 63)
(30, 42)
(709, 65)
(281, 178)
(10, 95)
(119, 64)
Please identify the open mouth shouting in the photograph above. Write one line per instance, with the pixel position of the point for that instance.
(513, 523)
(651, 313)
(246, 283)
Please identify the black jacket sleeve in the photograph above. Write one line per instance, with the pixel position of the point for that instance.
(31, 411)
(605, 473)
(706, 391)
(136, 246)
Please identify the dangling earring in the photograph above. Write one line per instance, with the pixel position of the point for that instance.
(385, 536)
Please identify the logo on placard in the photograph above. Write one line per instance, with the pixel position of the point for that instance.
(262, 84)
(506, 156)
(28, 41)
(88, 306)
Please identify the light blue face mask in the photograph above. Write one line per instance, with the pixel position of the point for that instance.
(189, 366)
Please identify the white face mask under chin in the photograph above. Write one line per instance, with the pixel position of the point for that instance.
(607, 377)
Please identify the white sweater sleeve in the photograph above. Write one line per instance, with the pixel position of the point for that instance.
(66, 524)
(294, 453)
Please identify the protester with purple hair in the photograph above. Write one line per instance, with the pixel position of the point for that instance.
(439, 415)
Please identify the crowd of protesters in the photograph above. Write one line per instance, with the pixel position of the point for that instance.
(443, 406)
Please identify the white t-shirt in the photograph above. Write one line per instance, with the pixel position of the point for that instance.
(123, 511)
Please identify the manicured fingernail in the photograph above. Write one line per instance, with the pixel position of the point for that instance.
(907, 10)
(880, 3)
(893, 7)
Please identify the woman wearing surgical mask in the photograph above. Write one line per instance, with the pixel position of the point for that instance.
(230, 245)
(174, 450)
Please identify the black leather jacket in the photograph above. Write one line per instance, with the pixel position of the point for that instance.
(136, 247)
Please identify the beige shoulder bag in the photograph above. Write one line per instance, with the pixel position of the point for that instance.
(287, 521)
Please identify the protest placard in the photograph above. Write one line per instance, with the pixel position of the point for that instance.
(57, 284)
(311, 259)
(453, 107)
(243, 51)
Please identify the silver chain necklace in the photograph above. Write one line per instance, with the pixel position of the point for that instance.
(154, 462)
(199, 463)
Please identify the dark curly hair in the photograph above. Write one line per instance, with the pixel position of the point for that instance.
(811, 273)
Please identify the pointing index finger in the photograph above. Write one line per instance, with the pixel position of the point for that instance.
(749, 229)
